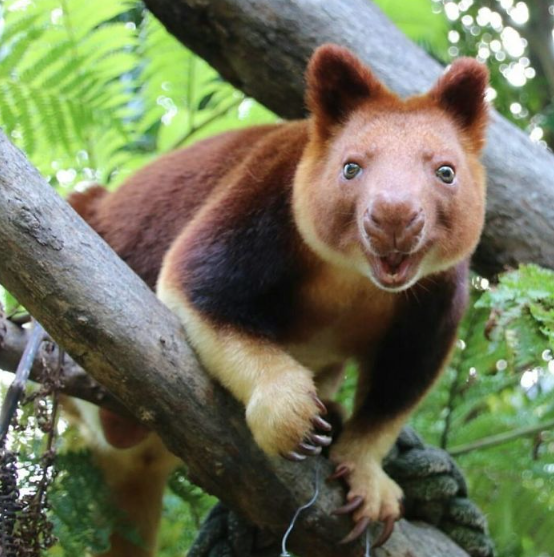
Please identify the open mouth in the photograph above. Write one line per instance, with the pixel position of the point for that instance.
(395, 270)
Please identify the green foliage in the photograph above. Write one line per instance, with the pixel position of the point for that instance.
(8, 302)
(501, 379)
(83, 513)
(92, 91)
(419, 22)
(185, 507)
(503, 34)
(499, 34)
(524, 305)
(61, 91)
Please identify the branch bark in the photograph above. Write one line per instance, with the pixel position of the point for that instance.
(538, 33)
(94, 306)
(261, 46)
(75, 381)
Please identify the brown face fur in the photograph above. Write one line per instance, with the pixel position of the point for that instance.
(396, 221)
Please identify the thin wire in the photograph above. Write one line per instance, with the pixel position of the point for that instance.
(367, 543)
(284, 552)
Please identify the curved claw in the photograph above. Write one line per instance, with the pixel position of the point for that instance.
(350, 506)
(308, 449)
(294, 456)
(322, 408)
(321, 440)
(402, 507)
(357, 531)
(320, 423)
(388, 527)
(341, 471)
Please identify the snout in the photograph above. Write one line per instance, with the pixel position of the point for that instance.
(393, 225)
(393, 228)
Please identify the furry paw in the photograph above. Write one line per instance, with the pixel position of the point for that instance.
(285, 418)
(372, 496)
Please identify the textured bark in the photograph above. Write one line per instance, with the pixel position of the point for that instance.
(94, 306)
(261, 46)
(75, 381)
(538, 33)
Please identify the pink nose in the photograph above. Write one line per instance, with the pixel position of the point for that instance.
(393, 224)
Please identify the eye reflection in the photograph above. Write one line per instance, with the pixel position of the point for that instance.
(445, 174)
(350, 170)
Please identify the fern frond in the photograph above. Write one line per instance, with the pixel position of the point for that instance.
(60, 78)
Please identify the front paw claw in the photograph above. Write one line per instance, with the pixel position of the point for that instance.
(373, 497)
(364, 522)
(312, 446)
(320, 405)
(287, 421)
(322, 424)
(386, 532)
(357, 531)
(341, 471)
(350, 506)
(293, 456)
(321, 440)
(309, 450)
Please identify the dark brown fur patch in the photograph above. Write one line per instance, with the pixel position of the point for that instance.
(241, 264)
(413, 351)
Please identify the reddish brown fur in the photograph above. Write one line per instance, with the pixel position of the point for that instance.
(146, 213)
(265, 250)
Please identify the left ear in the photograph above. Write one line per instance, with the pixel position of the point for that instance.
(461, 93)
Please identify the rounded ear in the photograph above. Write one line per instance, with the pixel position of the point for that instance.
(337, 83)
(461, 93)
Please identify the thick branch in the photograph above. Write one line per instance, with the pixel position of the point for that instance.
(94, 306)
(538, 33)
(261, 46)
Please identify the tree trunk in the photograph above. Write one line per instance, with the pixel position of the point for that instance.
(94, 306)
(261, 46)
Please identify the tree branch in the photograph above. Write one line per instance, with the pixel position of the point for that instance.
(75, 381)
(538, 33)
(261, 46)
(103, 315)
(501, 438)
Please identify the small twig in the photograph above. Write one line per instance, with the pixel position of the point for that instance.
(207, 121)
(17, 386)
(500, 439)
(191, 85)
(49, 452)
(480, 404)
(76, 382)
(452, 395)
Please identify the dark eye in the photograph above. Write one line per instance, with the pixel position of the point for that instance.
(351, 170)
(446, 174)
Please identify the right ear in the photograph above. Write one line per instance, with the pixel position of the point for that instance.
(337, 83)
(460, 91)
